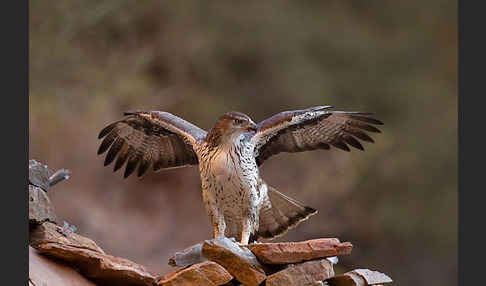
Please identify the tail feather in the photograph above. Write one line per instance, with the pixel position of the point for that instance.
(279, 214)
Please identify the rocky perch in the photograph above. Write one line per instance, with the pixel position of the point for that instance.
(59, 256)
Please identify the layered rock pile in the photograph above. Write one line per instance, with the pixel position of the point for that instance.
(225, 262)
(55, 251)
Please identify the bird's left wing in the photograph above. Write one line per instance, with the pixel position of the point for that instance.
(311, 129)
(150, 138)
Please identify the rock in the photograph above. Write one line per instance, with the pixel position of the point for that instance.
(334, 260)
(305, 273)
(359, 277)
(188, 256)
(40, 208)
(101, 268)
(39, 175)
(43, 271)
(52, 233)
(40, 180)
(373, 277)
(233, 282)
(205, 273)
(239, 261)
(59, 176)
(293, 252)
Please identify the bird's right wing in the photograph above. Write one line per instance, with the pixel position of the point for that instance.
(150, 138)
(311, 129)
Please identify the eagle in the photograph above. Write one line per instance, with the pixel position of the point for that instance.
(239, 203)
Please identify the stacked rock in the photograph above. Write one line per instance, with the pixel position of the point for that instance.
(225, 262)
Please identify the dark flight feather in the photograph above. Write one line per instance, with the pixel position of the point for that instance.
(312, 129)
(122, 158)
(131, 165)
(149, 138)
(107, 130)
(341, 145)
(107, 143)
(353, 142)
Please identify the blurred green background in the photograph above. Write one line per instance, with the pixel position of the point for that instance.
(396, 202)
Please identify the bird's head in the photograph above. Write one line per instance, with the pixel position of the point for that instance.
(230, 125)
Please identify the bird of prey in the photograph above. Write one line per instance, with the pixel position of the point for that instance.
(238, 201)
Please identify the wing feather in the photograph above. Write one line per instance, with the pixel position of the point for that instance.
(115, 148)
(122, 157)
(131, 165)
(312, 129)
(109, 139)
(145, 139)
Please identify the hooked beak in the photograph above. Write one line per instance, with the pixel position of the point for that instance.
(252, 127)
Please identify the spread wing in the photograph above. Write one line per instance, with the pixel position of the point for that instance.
(150, 138)
(311, 129)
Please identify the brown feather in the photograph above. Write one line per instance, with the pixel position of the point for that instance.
(149, 138)
(279, 214)
(341, 145)
(131, 165)
(366, 119)
(360, 134)
(122, 157)
(364, 126)
(107, 130)
(313, 129)
(117, 145)
(144, 165)
(353, 142)
(107, 142)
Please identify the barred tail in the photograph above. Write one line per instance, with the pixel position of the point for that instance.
(279, 214)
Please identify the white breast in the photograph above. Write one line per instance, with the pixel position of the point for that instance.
(222, 165)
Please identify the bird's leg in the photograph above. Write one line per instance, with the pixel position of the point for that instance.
(246, 230)
(219, 226)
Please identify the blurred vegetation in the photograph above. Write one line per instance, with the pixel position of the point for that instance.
(396, 202)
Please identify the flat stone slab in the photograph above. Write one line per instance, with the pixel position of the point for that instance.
(44, 271)
(359, 277)
(293, 252)
(204, 273)
(80, 252)
(237, 260)
(51, 233)
(306, 273)
(99, 267)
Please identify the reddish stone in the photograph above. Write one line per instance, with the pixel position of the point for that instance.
(205, 273)
(44, 271)
(306, 273)
(99, 267)
(293, 252)
(239, 261)
(51, 233)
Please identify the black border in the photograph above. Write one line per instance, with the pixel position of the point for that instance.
(471, 83)
(15, 135)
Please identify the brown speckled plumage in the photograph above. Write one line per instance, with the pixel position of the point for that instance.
(239, 203)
